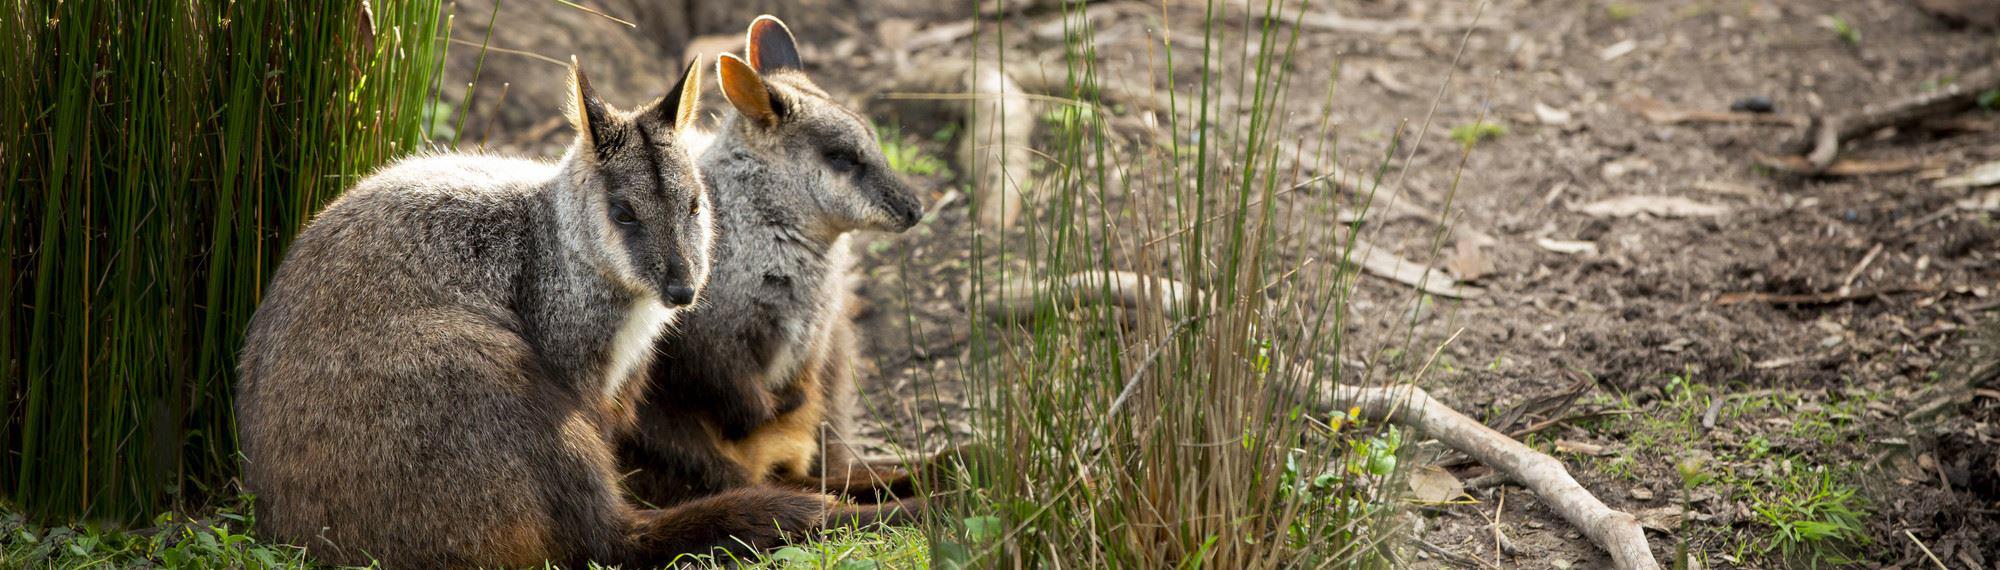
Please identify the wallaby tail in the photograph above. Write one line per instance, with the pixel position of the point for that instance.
(889, 480)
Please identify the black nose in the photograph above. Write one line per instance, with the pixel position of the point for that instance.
(680, 295)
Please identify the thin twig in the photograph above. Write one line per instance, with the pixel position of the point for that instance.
(1926, 549)
(596, 12)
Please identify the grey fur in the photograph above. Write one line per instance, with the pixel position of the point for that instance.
(433, 376)
(777, 302)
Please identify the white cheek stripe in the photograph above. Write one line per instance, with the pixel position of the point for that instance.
(633, 347)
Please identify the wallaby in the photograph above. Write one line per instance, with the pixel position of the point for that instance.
(768, 355)
(440, 364)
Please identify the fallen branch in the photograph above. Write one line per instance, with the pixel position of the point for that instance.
(1821, 144)
(1336, 23)
(1618, 533)
(1022, 298)
(1811, 298)
(1842, 167)
(1660, 112)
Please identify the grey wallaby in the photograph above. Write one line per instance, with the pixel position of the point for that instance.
(438, 369)
(767, 358)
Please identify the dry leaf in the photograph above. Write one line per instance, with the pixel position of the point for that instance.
(1567, 247)
(1983, 175)
(1432, 484)
(1617, 50)
(1382, 263)
(1988, 201)
(1729, 188)
(1579, 448)
(1660, 206)
(1469, 261)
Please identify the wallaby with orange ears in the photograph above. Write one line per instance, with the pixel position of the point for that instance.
(766, 362)
(439, 365)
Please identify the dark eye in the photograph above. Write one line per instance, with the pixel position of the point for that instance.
(842, 162)
(622, 214)
(694, 205)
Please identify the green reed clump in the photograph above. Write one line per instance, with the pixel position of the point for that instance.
(157, 157)
(1124, 438)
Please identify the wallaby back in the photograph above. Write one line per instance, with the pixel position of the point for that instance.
(766, 362)
(437, 368)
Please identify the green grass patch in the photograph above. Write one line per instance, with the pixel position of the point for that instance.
(1813, 517)
(1469, 135)
(909, 157)
(1842, 29)
(219, 541)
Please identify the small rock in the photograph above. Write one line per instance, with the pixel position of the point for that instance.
(1550, 115)
(1617, 50)
(1642, 493)
(1754, 104)
(1560, 563)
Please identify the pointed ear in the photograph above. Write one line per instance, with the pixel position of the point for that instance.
(746, 91)
(772, 46)
(596, 127)
(679, 106)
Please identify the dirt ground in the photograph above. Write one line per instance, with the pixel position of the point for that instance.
(1674, 363)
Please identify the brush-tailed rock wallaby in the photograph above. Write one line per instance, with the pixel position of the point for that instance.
(768, 356)
(438, 369)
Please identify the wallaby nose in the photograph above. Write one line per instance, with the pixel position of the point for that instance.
(680, 295)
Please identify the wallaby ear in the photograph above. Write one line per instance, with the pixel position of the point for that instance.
(679, 106)
(746, 91)
(772, 46)
(596, 128)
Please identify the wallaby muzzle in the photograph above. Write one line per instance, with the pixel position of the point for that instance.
(901, 203)
(675, 289)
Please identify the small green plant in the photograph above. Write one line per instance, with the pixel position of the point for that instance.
(888, 547)
(1814, 519)
(909, 158)
(1472, 134)
(1990, 100)
(1694, 473)
(1620, 11)
(1843, 29)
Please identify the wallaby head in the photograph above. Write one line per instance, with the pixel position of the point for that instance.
(827, 154)
(634, 200)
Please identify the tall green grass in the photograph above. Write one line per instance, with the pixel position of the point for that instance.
(1167, 438)
(158, 156)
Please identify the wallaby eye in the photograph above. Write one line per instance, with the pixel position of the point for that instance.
(622, 214)
(694, 205)
(842, 162)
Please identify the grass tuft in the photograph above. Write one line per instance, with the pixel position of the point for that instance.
(166, 153)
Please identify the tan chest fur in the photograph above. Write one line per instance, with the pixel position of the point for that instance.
(788, 443)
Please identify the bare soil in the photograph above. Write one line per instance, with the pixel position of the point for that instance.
(1765, 392)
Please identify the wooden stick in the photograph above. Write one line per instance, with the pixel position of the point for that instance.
(1020, 299)
(1822, 144)
(1618, 533)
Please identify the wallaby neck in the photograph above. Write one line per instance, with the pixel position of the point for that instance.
(571, 310)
